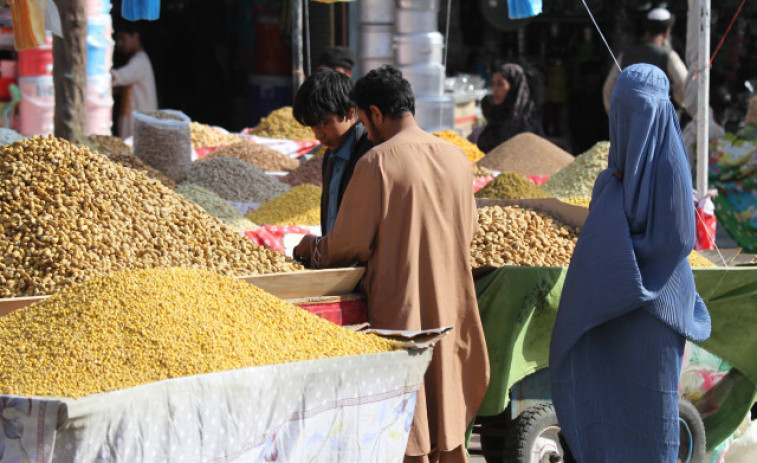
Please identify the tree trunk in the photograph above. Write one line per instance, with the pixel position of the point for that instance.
(70, 71)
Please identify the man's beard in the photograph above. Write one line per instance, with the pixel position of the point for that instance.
(372, 130)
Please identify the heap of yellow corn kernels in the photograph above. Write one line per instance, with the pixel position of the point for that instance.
(67, 214)
(299, 206)
(282, 124)
(136, 327)
(471, 150)
(204, 136)
(582, 201)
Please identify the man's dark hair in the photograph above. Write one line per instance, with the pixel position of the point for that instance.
(333, 57)
(656, 27)
(387, 90)
(325, 92)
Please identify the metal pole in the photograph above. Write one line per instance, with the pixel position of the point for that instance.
(298, 76)
(703, 87)
(308, 45)
(446, 33)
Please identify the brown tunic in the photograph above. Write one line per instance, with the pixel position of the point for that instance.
(409, 215)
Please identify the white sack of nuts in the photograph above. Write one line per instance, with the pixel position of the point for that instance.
(162, 139)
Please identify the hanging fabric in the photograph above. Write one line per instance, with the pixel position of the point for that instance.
(520, 9)
(28, 23)
(134, 10)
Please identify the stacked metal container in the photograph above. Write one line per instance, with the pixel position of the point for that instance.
(376, 33)
(418, 53)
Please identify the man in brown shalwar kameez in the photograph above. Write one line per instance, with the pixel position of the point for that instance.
(409, 215)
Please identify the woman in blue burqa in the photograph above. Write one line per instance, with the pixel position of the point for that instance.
(629, 301)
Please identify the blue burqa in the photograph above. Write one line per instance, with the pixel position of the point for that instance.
(629, 300)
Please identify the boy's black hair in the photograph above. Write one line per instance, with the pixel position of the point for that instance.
(333, 57)
(325, 92)
(128, 27)
(386, 89)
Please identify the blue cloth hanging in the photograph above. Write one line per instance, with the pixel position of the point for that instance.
(629, 299)
(134, 10)
(519, 9)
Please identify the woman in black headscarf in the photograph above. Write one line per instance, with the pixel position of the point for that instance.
(511, 112)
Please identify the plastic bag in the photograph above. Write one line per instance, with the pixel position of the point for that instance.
(519, 9)
(134, 10)
(52, 19)
(28, 23)
(707, 222)
(162, 140)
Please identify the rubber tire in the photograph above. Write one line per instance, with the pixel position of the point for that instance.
(526, 428)
(690, 415)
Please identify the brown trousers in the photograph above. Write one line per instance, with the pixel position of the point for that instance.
(458, 455)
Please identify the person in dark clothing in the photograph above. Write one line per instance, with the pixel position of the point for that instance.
(512, 110)
(323, 103)
(339, 59)
(653, 50)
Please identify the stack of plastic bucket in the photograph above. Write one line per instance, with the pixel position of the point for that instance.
(35, 80)
(99, 61)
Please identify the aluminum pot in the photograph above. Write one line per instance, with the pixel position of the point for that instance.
(425, 79)
(366, 65)
(424, 5)
(376, 11)
(413, 21)
(419, 48)
(434, 113)
(376, 41)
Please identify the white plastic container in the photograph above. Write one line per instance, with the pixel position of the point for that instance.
(376, 41)
(414, 21)
(419, 48)
(37, 106)
(99, 105)
(418, 4)
(426, 79)
(434, 113)
(376, 11)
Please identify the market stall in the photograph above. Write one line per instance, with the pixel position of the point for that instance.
(518, 303)
(350, 397)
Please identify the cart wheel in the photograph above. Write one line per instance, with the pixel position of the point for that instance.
(535, 437)
(693, 440)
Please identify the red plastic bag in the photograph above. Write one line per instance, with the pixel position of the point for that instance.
(537, 179)
(706, 223)
(272, 236)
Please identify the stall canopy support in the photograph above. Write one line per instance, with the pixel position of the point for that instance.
(703, 87)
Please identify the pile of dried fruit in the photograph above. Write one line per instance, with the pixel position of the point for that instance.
(282, 124)
(479, 171)
(258, 155)
(582, 201)
(471, 150)
(299, 206)
(515, 236)
(118, 151)
(235, 180)
(527, 154)
(205, 135)
(216, 206)
(511, 185)
(67, 214)
(577, 179)
(137, 327)
(311, 171)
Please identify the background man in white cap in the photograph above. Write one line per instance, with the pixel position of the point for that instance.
(654, 50)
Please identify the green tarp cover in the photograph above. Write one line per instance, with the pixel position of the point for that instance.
(518, 306)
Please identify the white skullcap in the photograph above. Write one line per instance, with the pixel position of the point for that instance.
(659, 14)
